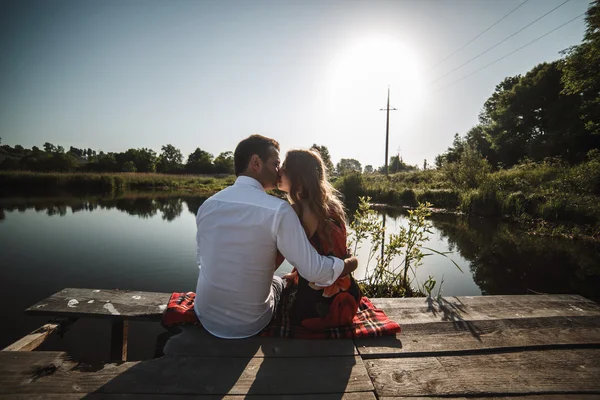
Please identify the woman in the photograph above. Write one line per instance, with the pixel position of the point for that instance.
(303, 177)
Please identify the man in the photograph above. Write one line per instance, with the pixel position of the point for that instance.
(240, 230)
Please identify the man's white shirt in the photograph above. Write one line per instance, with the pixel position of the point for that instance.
(239, 231)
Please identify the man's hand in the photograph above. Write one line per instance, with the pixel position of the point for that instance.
(350, 264)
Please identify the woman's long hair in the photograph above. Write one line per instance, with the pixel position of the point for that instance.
(309, 185)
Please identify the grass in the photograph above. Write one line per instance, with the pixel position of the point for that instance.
(547, 198)
(24, 182)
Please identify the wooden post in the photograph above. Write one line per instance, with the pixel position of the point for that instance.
(118, 340)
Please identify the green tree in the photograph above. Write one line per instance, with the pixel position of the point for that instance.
(368, 169)
(530, 116)
(170, 159)
(224, 163)
(143, 158)
(129, 166)
(347, 165)
(469, 171)
(200, 162)
(49, 147)
(581, 74)
(324, 152)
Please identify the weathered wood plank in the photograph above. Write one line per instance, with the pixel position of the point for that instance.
(196, 341)
(102, 396)
(457, 309)
(526, 397)
(34, 339)
(528, 372)
(117, 304)
(414, 302)
(480, 335)
(54, 373)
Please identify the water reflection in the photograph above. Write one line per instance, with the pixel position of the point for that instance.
(146, 206)
(504, 260)
(501, 259)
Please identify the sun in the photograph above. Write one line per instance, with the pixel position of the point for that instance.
(369, 65)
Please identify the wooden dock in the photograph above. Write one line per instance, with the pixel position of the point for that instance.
(511, 347)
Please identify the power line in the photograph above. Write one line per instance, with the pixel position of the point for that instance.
(500, 42)
(509, 54)
(481, 33)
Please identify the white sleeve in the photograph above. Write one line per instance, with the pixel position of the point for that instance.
(295, 247)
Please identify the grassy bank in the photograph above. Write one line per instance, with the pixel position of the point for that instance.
(552, 198)
(23, 182)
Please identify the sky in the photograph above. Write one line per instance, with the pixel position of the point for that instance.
(112, 75)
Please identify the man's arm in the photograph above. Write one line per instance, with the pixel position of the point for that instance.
(295, 247)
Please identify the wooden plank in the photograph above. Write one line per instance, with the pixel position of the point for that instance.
(530, 299)
(102, 396)
(528, 372)
(118, 340)
(526, 397)
(34, 339)
(197, 342)
(183, 375)
(474, 308)
(117, 304)
(482, 335)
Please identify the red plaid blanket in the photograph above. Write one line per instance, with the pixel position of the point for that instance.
(368, 321)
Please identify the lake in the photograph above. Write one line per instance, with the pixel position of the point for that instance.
(147, 242)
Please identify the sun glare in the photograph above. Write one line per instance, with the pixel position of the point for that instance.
(368, 66)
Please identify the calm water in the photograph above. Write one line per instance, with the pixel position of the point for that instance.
(148, 243)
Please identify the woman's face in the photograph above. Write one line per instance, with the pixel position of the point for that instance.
(283, 183)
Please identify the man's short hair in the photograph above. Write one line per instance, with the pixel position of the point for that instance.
(254, 144)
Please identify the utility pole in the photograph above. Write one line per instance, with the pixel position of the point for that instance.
(387, 130)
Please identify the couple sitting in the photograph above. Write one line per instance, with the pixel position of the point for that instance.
(244, 234)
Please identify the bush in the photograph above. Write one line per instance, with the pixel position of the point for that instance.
(351, 186)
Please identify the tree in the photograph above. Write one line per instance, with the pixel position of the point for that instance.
(170, 159)
(397, 165)
(581, 75)
(49, 147)
(200, 162)
(324, 152)
(74, 151)
(368, 169)
(469, 171)
(530, 116)
(129, 166)
(143, 158)
(224, 163)
(347, 165)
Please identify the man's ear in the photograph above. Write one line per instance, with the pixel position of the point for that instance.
(255, 162)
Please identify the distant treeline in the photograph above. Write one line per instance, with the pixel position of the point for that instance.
(56, 159)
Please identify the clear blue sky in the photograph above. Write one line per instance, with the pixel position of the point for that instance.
(111, 75)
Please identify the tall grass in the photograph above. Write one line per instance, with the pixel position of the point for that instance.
(17, 182)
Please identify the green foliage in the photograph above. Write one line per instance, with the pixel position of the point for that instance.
(129, 166)
(324, 152)
(394, 257)
(170, 159)
(348, 165)
(224, 163)
(51, 183)
(469, 170)
(581, 75)
(351, 186)
(397, 165)
(200, 162)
